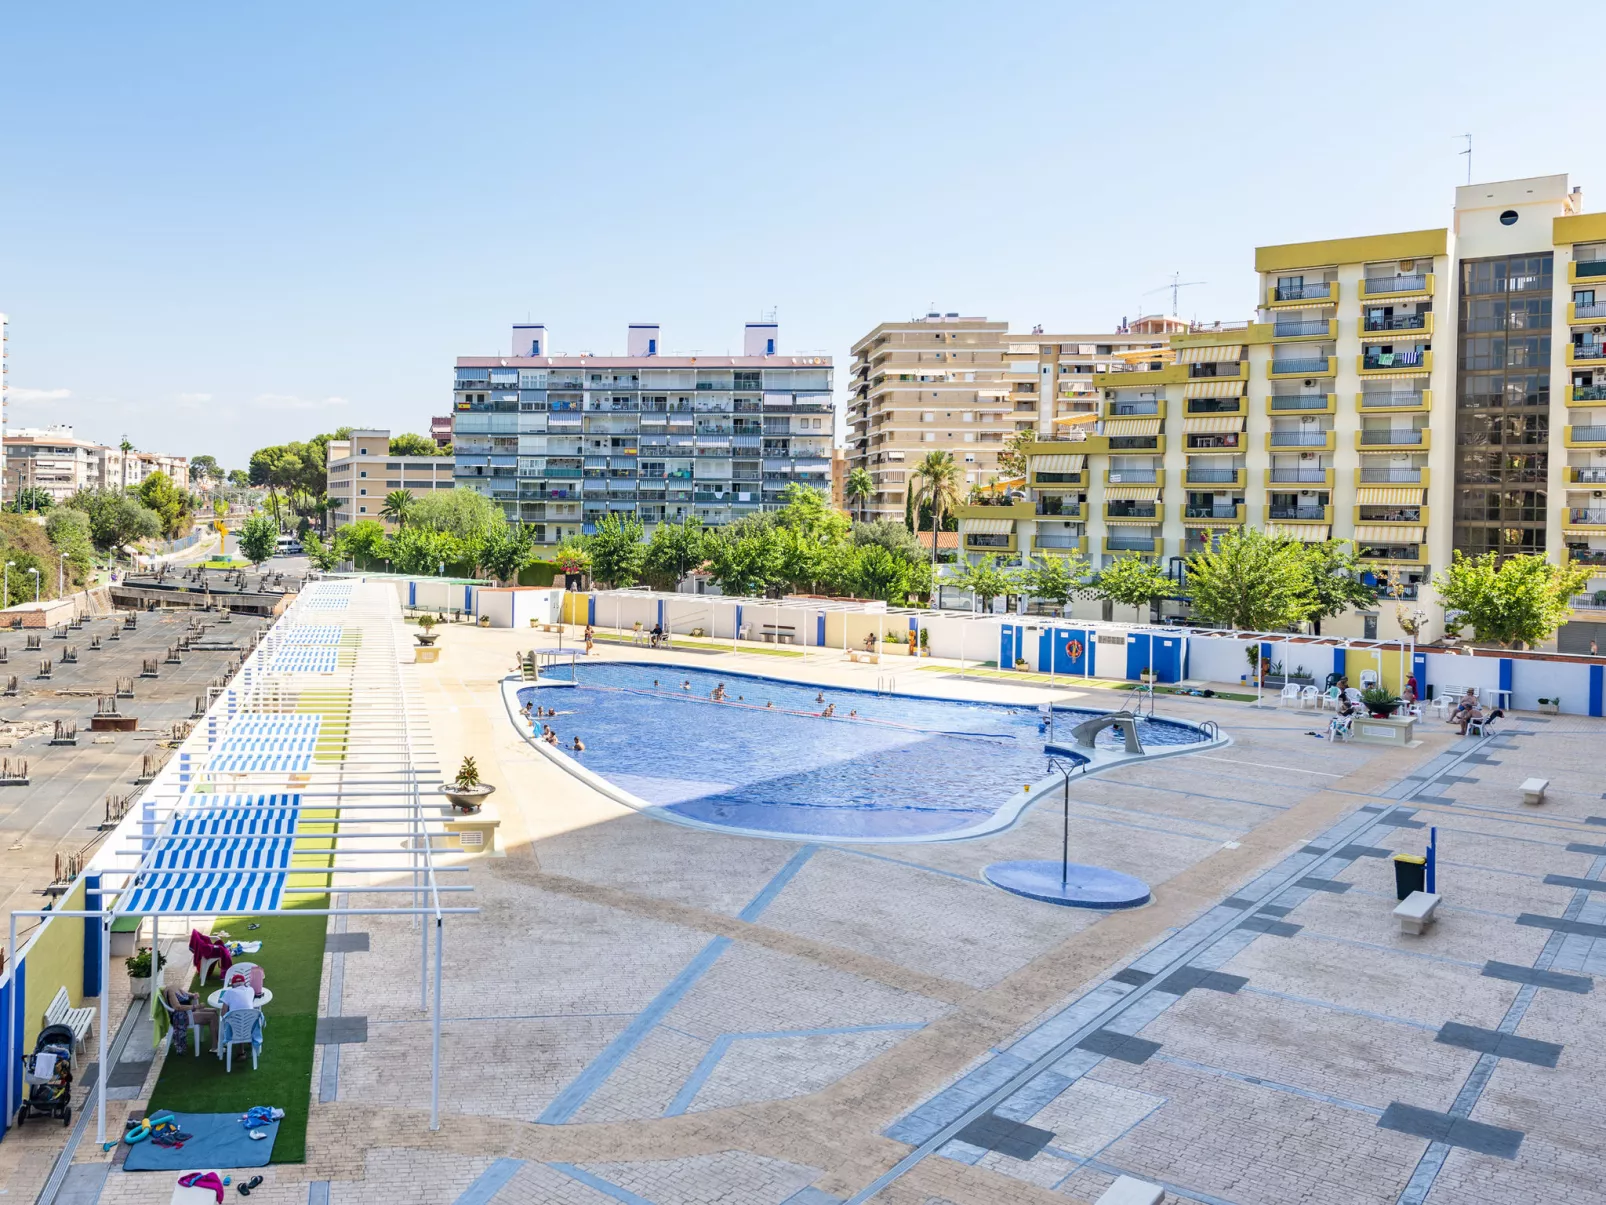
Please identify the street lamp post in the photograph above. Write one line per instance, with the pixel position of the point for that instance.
(61, 577)
(5, 583)
(33, 570)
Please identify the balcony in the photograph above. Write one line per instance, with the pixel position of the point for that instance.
(1585, 315)
(1304, 328)
(987, 542)
(1306, 403)
(1053, 507)
(1234, 442)
(1590, 354)
(1297, 295)
(1126, 543)
(1132, 510)
(1410, 554)
(1136, 443)
(1303, 366)
(1406, 476)
(1574, 475)
(1587, 556)
(1577, 394)
(1585, 270)
(1301, 514)
(1140, 409)
(1056, 542)
(1395, 400)
(1583, 437)
(1301, 476)
(1205, 476)
(1397, 286)
(1302, 440)
(1579, 516)
(1416, 360)
(1216, 405)
(1380, 330)
(1011, 510)
(1058, 480)
(1590, 602)
(1213, 514)
(1411, 439)
(1134, 476)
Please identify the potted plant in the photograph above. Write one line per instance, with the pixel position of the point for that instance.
(1550, 706)
(1147, 675)
(485, 621)
(139, 972)
(1379, 702)
(427, 636)
(1020, 663)
(925, 642)
(466, 791)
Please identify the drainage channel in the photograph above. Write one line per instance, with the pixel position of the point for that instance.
(1344, 834)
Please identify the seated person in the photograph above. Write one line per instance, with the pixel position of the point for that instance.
(238, 995)
(186, 1010)
(1467, 708)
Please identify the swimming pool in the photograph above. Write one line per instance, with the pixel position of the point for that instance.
(885, 768)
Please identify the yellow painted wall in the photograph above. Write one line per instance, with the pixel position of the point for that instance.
(54, 959)
(1412, 244)
(575, 607)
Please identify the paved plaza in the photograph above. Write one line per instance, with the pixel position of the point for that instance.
(646, 1012)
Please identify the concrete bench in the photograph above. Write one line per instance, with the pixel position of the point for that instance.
(1416, 911)
(861, 655)
(1533, 790)
(778, 634)
(61, 1012)
(1127, 1190)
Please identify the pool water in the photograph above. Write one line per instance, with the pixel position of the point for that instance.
(767, 761)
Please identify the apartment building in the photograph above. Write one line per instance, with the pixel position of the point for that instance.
(361, 471)
(1416, 393)
(55, 459)
(562, 440)
(440, 429)
(965, 385)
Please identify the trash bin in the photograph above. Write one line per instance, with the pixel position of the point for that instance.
(1410, 874)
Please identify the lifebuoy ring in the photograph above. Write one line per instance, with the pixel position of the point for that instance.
(1073, 649)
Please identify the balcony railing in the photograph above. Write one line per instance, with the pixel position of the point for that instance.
(1299, 439)
(989, 541)
(1399, 322)
(1589, 351)
(1310, 292)
(1298, 476)
(1299, 512)
(1589, 476)
(1589, 393)
(1305, 364)
(1590, 268)
(1206, 476)
(1597, 310)
(1392, 435)
(1413, 283)
(1587, 556)
(1132, 510)
(1300, 401)
(1579, 514)
(1122, 476)
(1393, 359)
(1391, 397)
(1590, 434)
(1210, 512)
(1590, 602)
(1391, 476)
(1057, 541)
(1288, 330)
(1128, 544)
(1213, 405)
(1134, 408)
(1133, 443)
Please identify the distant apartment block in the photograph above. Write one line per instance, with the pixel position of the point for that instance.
(562, 440)
(361, 471)
(58, 461)
(965, 385)
(440, 429)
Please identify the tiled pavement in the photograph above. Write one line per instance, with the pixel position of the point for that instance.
(647, 1013)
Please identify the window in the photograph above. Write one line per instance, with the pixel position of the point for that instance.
(928, 416)
(970, 437)
(362, 472)
(362, 510)
(928, 437)
(362, 493)
(362, 451)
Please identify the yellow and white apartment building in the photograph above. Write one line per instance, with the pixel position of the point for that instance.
(965, 385)
(1417, 393)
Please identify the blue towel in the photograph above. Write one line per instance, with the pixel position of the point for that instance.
(220, 1142)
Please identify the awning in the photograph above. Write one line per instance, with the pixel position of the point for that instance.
(1411, 375)
(1132, 493)
(1224, 388)
(1057, 464)
(1132, 426)
(1388, 496)
(989, 527)
(1390, 535)
(1089, 416)
(237, 833)
(1311, 533)
(1212, 354)
(1399, 336)
(1213, 424)
(1131, 520)
(992, 392)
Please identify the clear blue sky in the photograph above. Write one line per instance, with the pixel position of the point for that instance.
(229, 225)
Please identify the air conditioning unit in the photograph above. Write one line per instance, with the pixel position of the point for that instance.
(1307, 455)
(1310, 383)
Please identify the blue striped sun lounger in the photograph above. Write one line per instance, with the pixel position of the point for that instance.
(305, 661)
(301, 635)
(257, 724)
(259, 763)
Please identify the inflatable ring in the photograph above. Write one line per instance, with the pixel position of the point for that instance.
(1073, 649)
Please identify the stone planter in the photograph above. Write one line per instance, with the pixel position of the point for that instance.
(139, 987)
(1550, 708)
(426, 654)
(467, 800)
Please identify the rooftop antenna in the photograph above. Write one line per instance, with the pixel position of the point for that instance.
(1177, 284)
(1468, 154)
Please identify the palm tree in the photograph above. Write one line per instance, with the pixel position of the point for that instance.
(858, 488)
(398, 503)
(936, 481)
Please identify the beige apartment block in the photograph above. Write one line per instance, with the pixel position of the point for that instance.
(55, 459)
(1418, 394)
(361, 471)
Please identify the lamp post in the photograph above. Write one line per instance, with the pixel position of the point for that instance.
(34, 570)
(5, 581)
(61, 577)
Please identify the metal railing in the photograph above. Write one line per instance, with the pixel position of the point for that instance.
(1203, 476)
(1581, 514)
(1393, 359)
(1283, 330)
(1299, 439)
(1299, 512)
(1589, 351)
(1399, 322)
(1127, 544)
(1305, 364)
(1299, 401)
(1590, 434)
(1391, 476)
(1214, 405)
(1131, 510)
(1589, 476)
(1589, 393)
(1210, 512)
(1401, 283)
(1391, 435)
(1309, 292)
(1134, 408)
(1298, 476)
(1058, 541)
(1391, 397)
(1119, 476)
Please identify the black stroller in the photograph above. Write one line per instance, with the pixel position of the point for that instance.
(47, 1076)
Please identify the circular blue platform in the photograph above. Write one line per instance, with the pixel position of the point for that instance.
(1082, 886)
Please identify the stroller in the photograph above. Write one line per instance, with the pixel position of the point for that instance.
(47, 1076)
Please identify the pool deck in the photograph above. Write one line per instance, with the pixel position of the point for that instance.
(649, 1013)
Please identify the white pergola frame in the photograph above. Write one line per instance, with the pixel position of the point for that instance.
(378, 785)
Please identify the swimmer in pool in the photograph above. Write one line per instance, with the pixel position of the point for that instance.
(686, 685)
(718, 693)
(820, 698)
(579, 745)
(769, 704)
(830, 711)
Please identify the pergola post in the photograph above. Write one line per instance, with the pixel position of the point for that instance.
(435, 1053)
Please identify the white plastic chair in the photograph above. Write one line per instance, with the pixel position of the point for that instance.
(1329, 698)
(1443, 705)
(241, 1026)
(1339, 728)
(1290, 691)
(195, 1028)
(1368, 678)
(1310, 697)
(1354, 696)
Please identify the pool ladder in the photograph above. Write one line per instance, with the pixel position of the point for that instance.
(886, 685)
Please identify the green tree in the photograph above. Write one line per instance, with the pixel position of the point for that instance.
(987, 580)
(170, 503)
(204, 468)
(858, 489)
(1131, 581)
(21, 582)
(1335, 580)
(398, 505)
(363, 543)
(1012, 456)
(506, 551)
(675, 550)
(572, 555)
(1520, 601)
(1055, 579)
(618, 554)
(936, 484)
(33, 498)
(68, 532)
(891, 535)
(1252, 581)
(423, 550)
(323, 556)
(464, 513)
(879, 574)
(259, 537)
(408, 444)
(808, 511)
(239, 478)
(115, 518)
(746, 559)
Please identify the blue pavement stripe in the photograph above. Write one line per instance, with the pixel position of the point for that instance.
(568, 1102)
(774, 887)
(1353, 1106)
(952, 1103)
(318, 1192)
(605, 1187)
(491, 1181)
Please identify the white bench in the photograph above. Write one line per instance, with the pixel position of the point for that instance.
(861, 655)
(1533, 790)
(1127, 1190)
(61, 1012)
(1416, 911)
